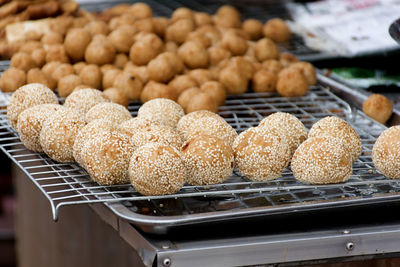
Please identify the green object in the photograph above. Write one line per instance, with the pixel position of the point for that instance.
(365, 78)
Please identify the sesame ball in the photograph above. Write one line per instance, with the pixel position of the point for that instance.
(85, 99)
(30, 123)
(28, 96)
(106, 157)
(157, 134)
(88, 132)
(58, 134)
(321, 160)
(261, 154)
(164, 110)
(109, 111)
(386, 152)
(157, 169)
(209, 160)
(289, 125)
(131, 126)
(338, 128)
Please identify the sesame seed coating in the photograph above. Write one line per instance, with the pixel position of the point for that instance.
(338, 128)
(58, 134)
(157, 169)
(88, 132)
(209, 160)
(106, 157)
(261, 154)
(321, 160)
(130, 127)
(109, 111)
(386, 152)
(289, 125)
(163, 110)
(30, 123)
(157, 134)
(85, 99)
(28, 96)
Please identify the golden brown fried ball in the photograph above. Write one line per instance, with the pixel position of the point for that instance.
(264, 81)
(137, 71)
(292, 82)
(120, 60)
(182, 13)
(378, 107)
(61, 24)
(141, 11)
(67, 84)
(211, 32)
(272, 65)
(245, 66)
(80, 22)
(194, 55)
(233, 80)
(39, 57)
(117, 95)
(160, 69)
(51, 38)
(22, 61)
(276, 30)
(286, 59)
(175, 61)
(154, 90)
(107, 67)
(100, 51)
(234, 43)
(50, 67)
(179, 30)
(97, 27)
(131, 85)
(76, 42)
(12, 79)
(79, 66)
(202, 101)
(201, 75)
(217, 54)
(61, 71)
(91, 75)
(171, 47)
(124, 19)
(200, 38)
(81, 87)
(227, 17)
(56, 52)
(202, 18)
(37, 76)
(216, 90)
(145, 49)
(308, 71)
(29, 46)
(266, 49)
(251, 50)
(181, 83)
(144, 25)
(160, 25)
(187, 96)
(253, 28)
(109, 77)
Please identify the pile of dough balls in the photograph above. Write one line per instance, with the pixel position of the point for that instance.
(193, 58)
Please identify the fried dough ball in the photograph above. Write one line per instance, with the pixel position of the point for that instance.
(202, 101)
(245, 66)
(321, 160)
(292, 83)
(76, 42)
(106, 157)
(37, 76)
(217, 54)
(113, 112)
(157, 169)
(51, 38)
(109, 77)
(61, 24)
(96, 27)
(201, 76)
(253, 28)
(30, 123)
(194, 55)
(308, 71)
(160, 69)
(50, 67)
(100, 51)
(124, 19)
(209, 160)
(182, 13)
(28, 96)
(12, 79)
(184, 126)
(385, 153)
(211, 32)
(122, 38)
(264, 81)
(91, 76)
(81, 87)
(233, 80)
(39, 57)
(227, 17)
(62, 71)
(162, 110)
(340, 129)
(289, 125)
(67, 84)
(107, 67)
(56, 52)
(131, 85)
(144, 25)
(145, 49)
(132, 126)
(186, 96)
(170, 47)
(79, 66)
(154, 90)
(120, 60)
(22, 61)
(141, 11)
(266, 49)
(160, 25)
(277, 30)
(378, 107)
(137, 71)
(202, 18)
(181, 83)
(236, 44)
(179, 30)
(272, 65)
(29, 46)
(117, 95)
(216, 90)
(287, 59)
(80, 22)
(157, 133)
(261, 154)
(175, 61)
(84, 99)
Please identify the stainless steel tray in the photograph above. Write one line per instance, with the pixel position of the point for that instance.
(238, 198)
